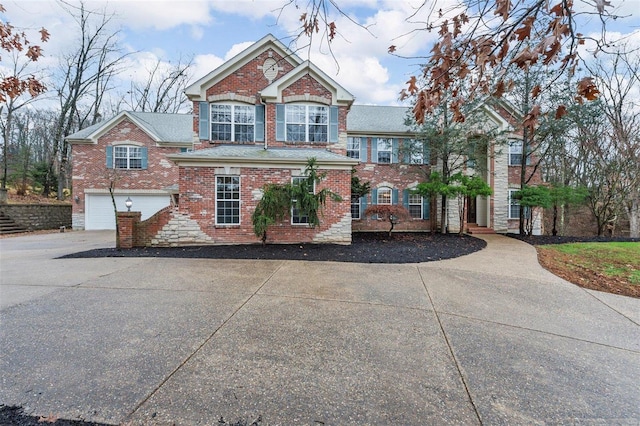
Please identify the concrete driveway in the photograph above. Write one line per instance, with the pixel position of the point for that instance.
(489, 338)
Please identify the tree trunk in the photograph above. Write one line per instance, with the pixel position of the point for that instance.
(633, 213)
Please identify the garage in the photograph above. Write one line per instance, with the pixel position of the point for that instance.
(99, 209)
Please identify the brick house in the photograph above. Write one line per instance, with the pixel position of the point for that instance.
(257, 119)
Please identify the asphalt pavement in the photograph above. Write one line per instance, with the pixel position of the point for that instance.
(487, 338)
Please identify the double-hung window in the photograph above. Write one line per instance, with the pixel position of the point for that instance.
(297, 217)
(415, 206)
(515, 153)
(416, 151)
(353, 147)
(307, 123)
(233, 122)
(385, 149)
(227, 200)
(384, 196)
(127, 157)
(355, 207)
(514, 205)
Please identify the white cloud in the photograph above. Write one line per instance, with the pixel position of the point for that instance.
(204, 64)
(237, 48)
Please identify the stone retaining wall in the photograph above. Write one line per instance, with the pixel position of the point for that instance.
(36, 217)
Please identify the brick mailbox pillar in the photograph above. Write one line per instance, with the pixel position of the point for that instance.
(127, 222)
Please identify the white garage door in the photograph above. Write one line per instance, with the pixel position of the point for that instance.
(99, 208)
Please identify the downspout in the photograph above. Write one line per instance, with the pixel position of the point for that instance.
(265, 121)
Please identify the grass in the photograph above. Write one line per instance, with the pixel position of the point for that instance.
(616, 260)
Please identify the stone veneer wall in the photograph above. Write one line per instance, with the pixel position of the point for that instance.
(339, 232)
(180, 230)
(36, 217)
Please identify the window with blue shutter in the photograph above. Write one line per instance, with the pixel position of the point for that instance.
(127, 157)
(203, 120)
(414, 203)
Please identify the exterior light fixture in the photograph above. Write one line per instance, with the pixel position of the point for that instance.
(128, 202)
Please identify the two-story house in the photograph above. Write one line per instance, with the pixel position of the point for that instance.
(257, 119)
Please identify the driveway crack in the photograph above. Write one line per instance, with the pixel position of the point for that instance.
(204, 342)
(453, 355)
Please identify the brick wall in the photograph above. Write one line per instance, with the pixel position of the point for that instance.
(39, 216)
(89, 162)
(197, 202)
(397, 176)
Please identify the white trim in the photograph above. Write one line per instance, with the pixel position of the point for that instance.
(239, 201)
(126, 191)
(197, 91)
(339, 95)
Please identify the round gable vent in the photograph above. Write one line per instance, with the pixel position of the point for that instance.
(270, 69)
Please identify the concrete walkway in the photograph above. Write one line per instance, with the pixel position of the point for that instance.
(489, 338)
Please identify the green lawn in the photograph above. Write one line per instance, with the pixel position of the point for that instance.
(615, 259)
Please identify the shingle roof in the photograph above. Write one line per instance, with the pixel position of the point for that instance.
(257, 152)
(372, 119)
(166, 127)
(169, 127)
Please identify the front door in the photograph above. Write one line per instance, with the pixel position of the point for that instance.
(471, 210)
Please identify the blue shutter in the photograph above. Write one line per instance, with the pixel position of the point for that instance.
(374, 201)
(333, 124)
(280, 129)
(426, 153)
(363, 205)
(394, 196)
(374, 150)
(425, 208)
(394, 151)
(363, 150)
(259, 126)
(407, 149)
(405, 199)
(203, 121)
(109, 157)
(144, 154)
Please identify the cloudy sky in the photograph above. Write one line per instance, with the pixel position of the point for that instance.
(212, 31)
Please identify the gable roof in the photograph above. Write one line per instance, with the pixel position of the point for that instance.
(197, 90)
(274, 90)
(374, 119)
(161, 127)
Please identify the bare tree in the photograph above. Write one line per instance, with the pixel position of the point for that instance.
(163, 91)
(84, 78)
(617, 81)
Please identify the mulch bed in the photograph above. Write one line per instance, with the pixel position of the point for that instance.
(369, 247)
(15, 416)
